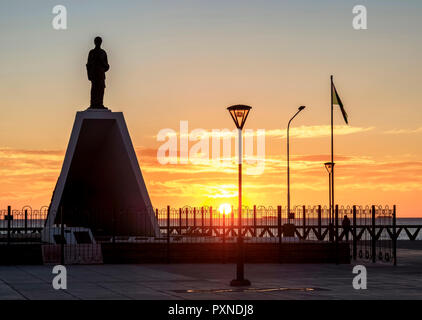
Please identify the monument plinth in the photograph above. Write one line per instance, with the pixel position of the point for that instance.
(101, 185)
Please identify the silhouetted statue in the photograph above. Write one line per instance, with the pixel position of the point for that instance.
(96, 67)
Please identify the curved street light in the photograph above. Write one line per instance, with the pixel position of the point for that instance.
(239, 115)
(288, 160)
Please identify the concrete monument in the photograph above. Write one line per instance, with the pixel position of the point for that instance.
(101, 186)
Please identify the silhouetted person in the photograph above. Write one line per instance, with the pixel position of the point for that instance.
(346, 227)
(96, 67)
(331, 232)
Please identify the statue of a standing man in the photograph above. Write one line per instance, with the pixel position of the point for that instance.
(96, 67)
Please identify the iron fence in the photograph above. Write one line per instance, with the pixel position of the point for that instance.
(372, 235)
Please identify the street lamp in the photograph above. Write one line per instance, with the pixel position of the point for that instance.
(330, 166)
(288, 161)
(239, 115)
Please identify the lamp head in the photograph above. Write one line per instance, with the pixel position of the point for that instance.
(329, 166)
(239, 114)
(301, 108)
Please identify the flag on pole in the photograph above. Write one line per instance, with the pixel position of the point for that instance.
(337, 101)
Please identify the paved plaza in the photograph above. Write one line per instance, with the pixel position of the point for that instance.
(210, 281)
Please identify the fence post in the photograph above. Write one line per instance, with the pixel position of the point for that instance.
(304, 222)
(202, 221)
(26, 221)
(211, 222)
(224, 238)
(62, 236)
(336, 235)
(9, 219)
(232, 223)
(394, 237)
(187, 220)
(279, 223)
(319, 222)
(194, 217)
(180, 221)
(279, 232)
(156, 218)
(355, 240)
(224, 227)
(168, 234)
(373, 237)
(254, 220)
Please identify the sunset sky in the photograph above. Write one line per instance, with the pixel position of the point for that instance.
(180, 60)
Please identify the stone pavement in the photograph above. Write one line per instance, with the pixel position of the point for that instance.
(210, 281)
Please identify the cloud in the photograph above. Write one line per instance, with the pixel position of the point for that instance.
(297, 132)
(316, 131)
(354, 174)
(403, 131)
(29, 176)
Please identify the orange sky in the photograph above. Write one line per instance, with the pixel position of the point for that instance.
(189, 61)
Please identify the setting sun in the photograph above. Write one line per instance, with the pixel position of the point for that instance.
(225, 208)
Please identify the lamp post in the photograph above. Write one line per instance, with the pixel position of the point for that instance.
(239, 115)
(288, 161)
(330, 166)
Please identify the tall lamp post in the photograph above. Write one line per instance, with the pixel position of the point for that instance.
(330, 166)
(288, 161)
(239, 115)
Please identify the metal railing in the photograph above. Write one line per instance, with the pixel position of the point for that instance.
(372, 235)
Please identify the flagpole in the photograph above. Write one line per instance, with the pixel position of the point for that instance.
(332, 153)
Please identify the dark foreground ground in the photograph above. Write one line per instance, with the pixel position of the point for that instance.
(210, 281)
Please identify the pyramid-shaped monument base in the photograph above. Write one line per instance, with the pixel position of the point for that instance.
(101, 186)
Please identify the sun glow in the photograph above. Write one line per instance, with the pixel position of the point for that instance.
(225, 208)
